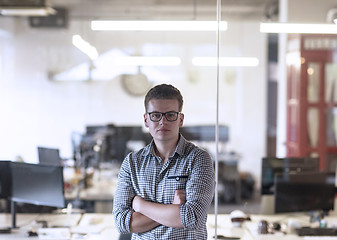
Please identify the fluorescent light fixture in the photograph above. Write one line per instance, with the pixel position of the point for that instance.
(226, 61)
(298, 28)
(106, 25)
(85, 47)
(27, 11)
(147, 61)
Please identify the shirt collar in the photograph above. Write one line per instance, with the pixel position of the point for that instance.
(181, 145)
(179, 148)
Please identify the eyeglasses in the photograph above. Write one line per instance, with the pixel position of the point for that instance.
(170, 116)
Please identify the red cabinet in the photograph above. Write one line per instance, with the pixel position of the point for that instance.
(312, 98)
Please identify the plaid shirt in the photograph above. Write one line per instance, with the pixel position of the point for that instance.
(144, 174)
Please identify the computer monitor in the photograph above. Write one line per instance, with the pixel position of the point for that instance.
(49, 156)
(204, 133)
(36, 184)
(108, 143)
(5, 180)
(125, 134)
(304, 192)
(273, 165)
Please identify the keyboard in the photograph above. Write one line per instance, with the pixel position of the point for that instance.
(310, 231)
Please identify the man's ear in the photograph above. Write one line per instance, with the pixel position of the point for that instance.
(145, 121)
(181, 120)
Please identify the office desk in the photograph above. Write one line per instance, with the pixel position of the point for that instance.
(27, 222)
(225, 228)
(93, 226)
(101, 226)
(249, 229)
(100, 193)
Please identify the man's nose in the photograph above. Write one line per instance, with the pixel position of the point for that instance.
(163, 119)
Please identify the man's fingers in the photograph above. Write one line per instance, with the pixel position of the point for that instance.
(179, 197)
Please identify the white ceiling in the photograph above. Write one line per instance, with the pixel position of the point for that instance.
(167, 9)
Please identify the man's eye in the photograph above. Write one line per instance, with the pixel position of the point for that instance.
(170, 115)
(156, 115)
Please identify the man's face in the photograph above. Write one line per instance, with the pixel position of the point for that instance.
(163, 130)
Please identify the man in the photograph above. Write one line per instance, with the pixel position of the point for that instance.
(165, 189)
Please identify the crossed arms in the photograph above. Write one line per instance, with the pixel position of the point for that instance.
(133, 213)
(149, 215)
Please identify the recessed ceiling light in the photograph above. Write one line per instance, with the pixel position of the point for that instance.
(107, 25)
(298, 28)
(226, 61)
(27, 11)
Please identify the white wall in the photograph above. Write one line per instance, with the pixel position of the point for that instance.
(36, 111)
(315, 11)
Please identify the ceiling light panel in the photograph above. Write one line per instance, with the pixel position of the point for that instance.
(107, 25)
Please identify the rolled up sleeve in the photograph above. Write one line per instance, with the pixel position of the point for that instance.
(199, 192)
(122, 202)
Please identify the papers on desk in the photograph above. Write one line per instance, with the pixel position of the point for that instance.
(54, 233)
(93, 224)
(92, 229)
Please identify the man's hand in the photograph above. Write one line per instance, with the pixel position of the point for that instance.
(179, 197)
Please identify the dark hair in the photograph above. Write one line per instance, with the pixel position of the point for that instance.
(164, 91)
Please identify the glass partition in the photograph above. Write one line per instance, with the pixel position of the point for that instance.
(313, 126)
(331, 100)
(53, 89)
(330, 83)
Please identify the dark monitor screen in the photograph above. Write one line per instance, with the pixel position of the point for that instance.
(204, 133)
(37, 184)
(95, 129)
(272, 165)
(124, 134)
(50, 156)
(304, 192)
(112, 141)
(5, 179)
(133, 133)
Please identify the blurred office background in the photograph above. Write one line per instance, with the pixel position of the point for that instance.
(54, 95)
